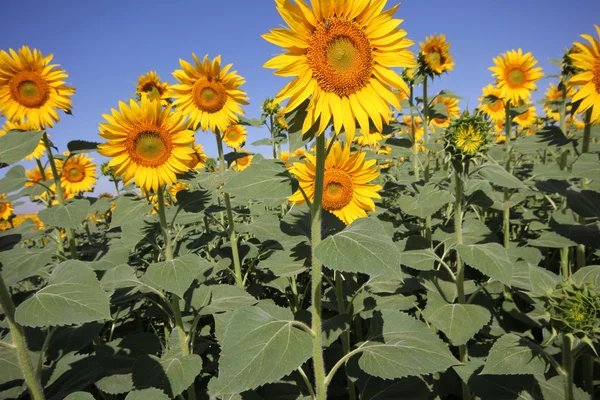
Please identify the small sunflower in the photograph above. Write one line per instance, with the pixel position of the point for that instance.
(6, 208)
(77, 173)
(35, 175)
(25, 126)
(369, 139)
(285, 157)
(209, 94)
(235, 136)
(493, 106)
(466, 136)
(573, 122)
(148, 144)
(452, 110)
(553, 94)
(31, 88)
(587, 63)
(280, 118)
(435, 57)
(198, 157)
(242, 163)
(299, 152)
(526, 119)
(151, 85)
(417, 136)
(516, 75)
(341, 56)
(347, 192)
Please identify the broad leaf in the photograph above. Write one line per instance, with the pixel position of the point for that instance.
(427, 202)
(551, 240)
(128, 208)
(586, 166)
(283, 264)
(265, 180)
(499, 176)
(16, 145)
(82, 146)
(147, 394)
(121, 276)
(489, 258)
(512, 355)
(69, 216)
(228, 298)
(176, 275)
(20, 263)
(13, 180)
(116, 384)
(79, 396)
(172, 374)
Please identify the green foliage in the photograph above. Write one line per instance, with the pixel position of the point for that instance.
(16, 145)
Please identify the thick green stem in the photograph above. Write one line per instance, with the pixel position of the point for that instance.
(317, 269)
(412, 134)
(567, 361)
(506, 209)
(585, 147)
(425, 141)
(20, 344)
(564, 252)
(272, 131)
(345, 337)
(588, 374)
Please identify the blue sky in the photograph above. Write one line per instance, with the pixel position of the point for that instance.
(106, 45)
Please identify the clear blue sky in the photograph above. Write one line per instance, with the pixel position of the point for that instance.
(106, 45)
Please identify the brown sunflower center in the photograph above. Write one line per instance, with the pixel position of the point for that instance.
(149, 146)
(340, 56)
(516, 77)
(243, 161)
(337, 192)
(29, 89)
(74, 172)
(596, 78)
(209, 95)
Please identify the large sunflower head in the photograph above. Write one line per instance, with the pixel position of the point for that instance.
(209, 94)
(516, 75)
(77, 173)
(347, 192)
(587, 62)
(26, 126)
(151, 85)
(235, 136)
(243, 162)
(341, 56)
(552, 98)
(435, 57)
(6, 208)
(148, 144)
(31, 88)
(526, 119)
(491, 103)
(35, 176)
(466, 136)
(452, 110)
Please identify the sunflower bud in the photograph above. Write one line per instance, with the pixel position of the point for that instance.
(467, 136)
(269, 107)
(575, 309)
(105, 170)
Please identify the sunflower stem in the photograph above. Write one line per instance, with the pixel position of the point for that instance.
(20, 344)
(585, 147)
(59, 195)
(567, 361)
(506, 208)
(425, 141)
(345, 337)
(412, 130)
(317, 269)
(564, 252)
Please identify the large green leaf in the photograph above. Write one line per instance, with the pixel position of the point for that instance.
(128, 208)
(587, 275)
(147, 394)
(512, 355)
(82, 146)
(116, 384)
(363, 246)
(586, 166)
(260, 345)
(266, 179)
(283, 264)
(551, 240)
(496, 174)
(73, 296)
(460, 322)
(406, 347)
(16, 145)
(20, 263)
(121, 276)
(489, 258)
(584, 202)
(69, 216)
(13, 180)
(427, 202)
(228, 298)
(138, 229)
(80, 396)
(264, 227)
(176, 275)
(173, 373)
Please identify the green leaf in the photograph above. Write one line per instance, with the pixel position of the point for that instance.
(551, 240)
(121, 276)
(262, 227)
(80, 396)
(545, 172)
(254, 122)
(228, 298)
(73, 296)
(16, 145)
(460, 322)
(266, 179)
(20, 263)
(422, 259)
(128, 208)
(586, 166)
(589, 274)
(193, 201)
(147, 394)
(512, 355)
(499, 176)
(213, 180)
(13, 180)
(584, 202)
(427, 202)
(117, 254)
(116, 384)
(82, 146)
(541, 280)
(363, 246)
(68, 216)
(176, 275)
(489, 258)
(260, 345)
(138, 229)
(450, 94)
(408, 348)
(172, 373)
(283, 264)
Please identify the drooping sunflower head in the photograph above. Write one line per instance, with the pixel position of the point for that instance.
(235, 136)
(6, 208)
(340, 55)
(526, 119)
(151, 85)
(347, 192)
(243, 162)
(77, 173)
(434, 57)
(105, 195)
(491, 103)
(25, 126)
(587, 62)
(516, 75)
(451, 108)
(209, 94)
(147, 143)
(31, 88)
(35, 176)
(467, 136)
(553, 97)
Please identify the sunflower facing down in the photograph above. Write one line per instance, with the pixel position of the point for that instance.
(493, 106)
(452, 110)
(31, 88)
(347, 192)
(235, 136)
(209, 94)
(526, 119)
(77, 173)
(587, 63)
(151, 85)
(6, 208)
(435, 57)
(341, 56)
(516, 75)
(25, 126)
(148, 144)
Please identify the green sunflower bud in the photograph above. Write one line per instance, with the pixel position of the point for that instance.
(466, 136)
(575, 309)
(106, 170)
(269, 107)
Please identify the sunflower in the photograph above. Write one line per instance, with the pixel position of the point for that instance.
(31, 88)
(148, 144)
(299, 152)
(526, 119)
(6, 208)
(35, 176)
(176, 188)
(466, 136)
(340, 55)
(151, 85)
(25, 126)
(371, 138)
(285, 157)
(198, 157)
(452, 110)
(346, 189)
(235, 136)
(492, 108)
(516, 75)
(587, 64)
(418, 123)
(435, 57)
(242, 163)
(553, 94)
(280, 118)
(77, 173)
(209, 94)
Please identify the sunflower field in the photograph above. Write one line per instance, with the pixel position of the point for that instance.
(387, 245)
